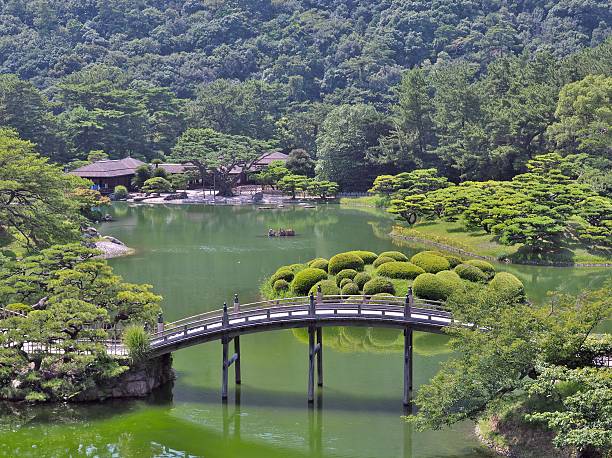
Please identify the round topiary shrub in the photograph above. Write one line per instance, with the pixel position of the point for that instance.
(328, 288)
(120, 192)
(381, 295)
(454, 261)
(397, 269)
(378, 285)
(295, 268)
(350, 289)
(471, 273)
(368, 256)
(284, 273)
(346, 273)
(429, 286)
(507, 286)
(280, 285)
(451, 281)
(343, 261)
(382, 259)
(485, 266)
(361, 279)
(305, 279)
(319, 263)
(396, 255)
(344, 282)
(429, 262)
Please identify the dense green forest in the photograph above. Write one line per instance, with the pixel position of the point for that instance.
(366, 88)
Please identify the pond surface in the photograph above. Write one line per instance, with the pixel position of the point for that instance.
(198, 257)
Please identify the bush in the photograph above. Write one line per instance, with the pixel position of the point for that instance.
(454, 261)
(396, 255)
(378, 285)
(120, 192)
(429, 262)
(429, 286)
(350, 289)
(343, 261)
(295, 268)
(507, 286)
(361, 279)
(383, 259)
(345, 281)
(485, 266)
(368, 256)
(136, 340)
(19, 308)
(328, 288)
(156, 184)
(397, 269)
(471, 273)
(451, 281)
(346, 273)
(319, 263)
(281, 285)
(284, 273)
(381, 295)
(305, 279)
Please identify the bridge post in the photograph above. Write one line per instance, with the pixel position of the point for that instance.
(225, 318)
(407, 366)
(311, 306)
(409, 303)
(236, 304)
(224, 381)
(319, 350)
(311, 368)
(319, 295)
(160, 322)
(237, 362)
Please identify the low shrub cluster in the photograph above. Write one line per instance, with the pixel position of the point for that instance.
(368, 256)
(507, 286)
(485, 266)
(319, 263)
(361, 279)
(430, 262)
(328, 288)
(396, 255)
(471, 273)
(346, 273)
(397, 269)
(381, 260)
(350, 289)
(281, 285)
(305, 279)
(378, 285)
(343, 261)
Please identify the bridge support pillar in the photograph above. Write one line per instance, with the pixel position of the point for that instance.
(227, 362)
(408, 373)
(314, 351)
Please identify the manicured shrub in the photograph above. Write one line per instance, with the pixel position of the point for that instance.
(485, 266)
(397, 269)
(284, 273)
(434, 252)
(378, 285)
(397, 255)
(295, 268)
(507, 286)
(136, 340)
(319, 263)
(361, 279)
(381, 295)
(350, 289)
(451, 281)
(344, 282)
(343, 261)
(429, 286)
(429, 262)
(157, 184)
(381, 260)
(346, 273)
(368, 256)
(471, 273)
(454, 261)
(120, 192)
(328, 288)
(281, 285)
(305, 279)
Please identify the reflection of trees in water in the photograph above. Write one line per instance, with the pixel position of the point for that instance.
(377, 340)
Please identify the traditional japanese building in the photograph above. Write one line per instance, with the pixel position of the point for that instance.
(110, 173)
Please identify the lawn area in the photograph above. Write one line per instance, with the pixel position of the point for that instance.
(479, 243)
(366, 201)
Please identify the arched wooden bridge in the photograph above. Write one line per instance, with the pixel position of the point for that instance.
(314, 312)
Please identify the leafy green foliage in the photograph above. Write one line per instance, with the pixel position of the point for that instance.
(306, 279)
(343, 261)
(381, 260)
(319, 263)
(344, 274)
(328, 288)
(361, 279)
(378, 285)
(507, 286)
(398, 269)
(281, 285)
(136, 340)
(120, 192)
(368, 256)
(350, 289)
(396, 255)
(430, 262)
(471, 273)
(157, 184)
(430, 286)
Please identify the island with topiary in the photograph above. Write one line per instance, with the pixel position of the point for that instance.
(433, 275)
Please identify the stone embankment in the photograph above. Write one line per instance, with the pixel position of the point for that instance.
(110, 247)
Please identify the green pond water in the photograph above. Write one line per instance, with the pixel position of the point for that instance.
(198, 257)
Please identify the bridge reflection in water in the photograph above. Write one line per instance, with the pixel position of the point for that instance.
(312, 312)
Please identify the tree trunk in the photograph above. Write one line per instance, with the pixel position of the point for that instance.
(225, 187)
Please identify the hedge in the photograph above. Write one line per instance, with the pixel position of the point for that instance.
(344, 281)
(471, 273)
(429, 286)
(398, 256)
(379, 295)
(282, 274)
(381, 260)
(451, 281)
(343, 261)
(361, 279)
(378, 285)
(319, 263)
(305, 279)
(346, 273)
(328, 288)
(507, 286)
(281, 285)
(431, 263)
(485, 266)
(368, 256)
(350, 289)
(397, 269)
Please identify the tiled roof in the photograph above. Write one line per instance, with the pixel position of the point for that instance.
(109, 168)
